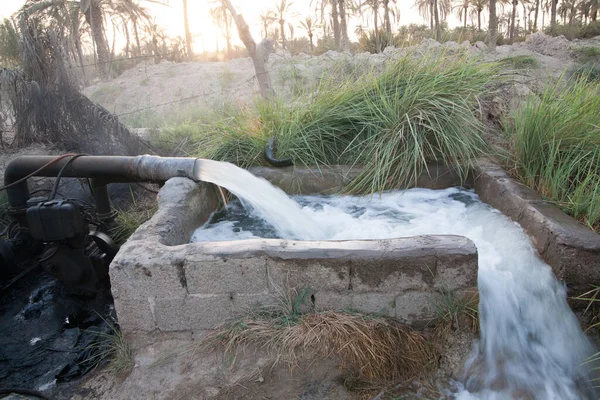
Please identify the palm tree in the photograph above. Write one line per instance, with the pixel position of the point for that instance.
(342, 6)
(308, 26)
(386, 16)
(188, 35)
(493, 27)
(267, 18)
(68, 13)
(282, 9)
(435, 10)
(222, 18)
(553, 15)
(535, 15)
(477, 7)
(425, 8)
(373, 6)
(462, 9)
(321, 8)
(511, 33)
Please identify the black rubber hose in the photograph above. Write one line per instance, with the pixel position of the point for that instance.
(270, 155)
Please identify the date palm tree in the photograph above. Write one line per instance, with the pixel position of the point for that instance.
(266, 19)
(493, 26)
(387, 10)
(308, 25)
(477, 7)
(437, 11)
(373, 7)
(222, 19)
(69, 13)
(282, 9)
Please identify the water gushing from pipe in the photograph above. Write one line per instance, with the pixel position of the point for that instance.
(531, 345)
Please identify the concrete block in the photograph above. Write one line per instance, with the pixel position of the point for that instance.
(138, 278)
(316, 274)
(456, 272)
(375, 303)
(393, 275)
(416, 308)
(193, 312)
(244, 303)
(226, 275)
(330, 300)
(135, 314)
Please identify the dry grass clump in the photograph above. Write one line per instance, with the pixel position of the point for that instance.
(371, 347)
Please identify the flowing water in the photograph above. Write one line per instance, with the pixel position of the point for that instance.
(531, 345)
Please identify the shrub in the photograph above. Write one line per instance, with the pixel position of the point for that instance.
(557, 146)
(393, 123)
(520, 62)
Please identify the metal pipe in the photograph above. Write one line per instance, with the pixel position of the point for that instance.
(104, 209)
(108, 169)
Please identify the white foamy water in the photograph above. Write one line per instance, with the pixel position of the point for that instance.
(531, 345)
(267, 201)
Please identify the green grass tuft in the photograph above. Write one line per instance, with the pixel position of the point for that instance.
(520, 62)
(129, 220)
(393, 122)
(586, 53)
(556, 147)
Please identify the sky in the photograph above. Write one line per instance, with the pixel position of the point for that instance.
(206, 34)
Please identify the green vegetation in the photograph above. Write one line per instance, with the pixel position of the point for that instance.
(556, 146)
(129, 220)
(110, 347)
(453, 309)
(589, 57)
(587, 53)
(392, 122)
(520, 62)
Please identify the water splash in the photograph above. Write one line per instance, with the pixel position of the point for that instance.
(266, 200)
(531, 345)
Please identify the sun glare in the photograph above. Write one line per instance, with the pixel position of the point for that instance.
(208, 35)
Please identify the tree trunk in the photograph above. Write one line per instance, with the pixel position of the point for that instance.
(479, 19)
(137, 37)
(465, 22)
(375, 23)
(511, 33)
(282, 26)
(553, 16)
(127, 39)
(436, 17)
(227, 34)
(343, 25)
(258, 59)
(188, 34)
(535, 15)
(94, 18)
(493, 26)
(310, 37)
(387, 24)
(524, 17)
(336, 24)
(431, 15)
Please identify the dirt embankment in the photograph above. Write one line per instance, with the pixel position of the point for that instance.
(149, 90)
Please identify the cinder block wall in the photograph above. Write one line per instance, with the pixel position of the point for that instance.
(160, 282)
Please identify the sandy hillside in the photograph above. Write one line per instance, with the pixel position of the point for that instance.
(152, 89)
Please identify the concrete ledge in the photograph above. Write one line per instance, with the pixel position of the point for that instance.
(334, 179)
(196, 286)
(569, 247)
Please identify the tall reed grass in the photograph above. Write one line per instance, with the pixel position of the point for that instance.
(419, 109)
(556, 146)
